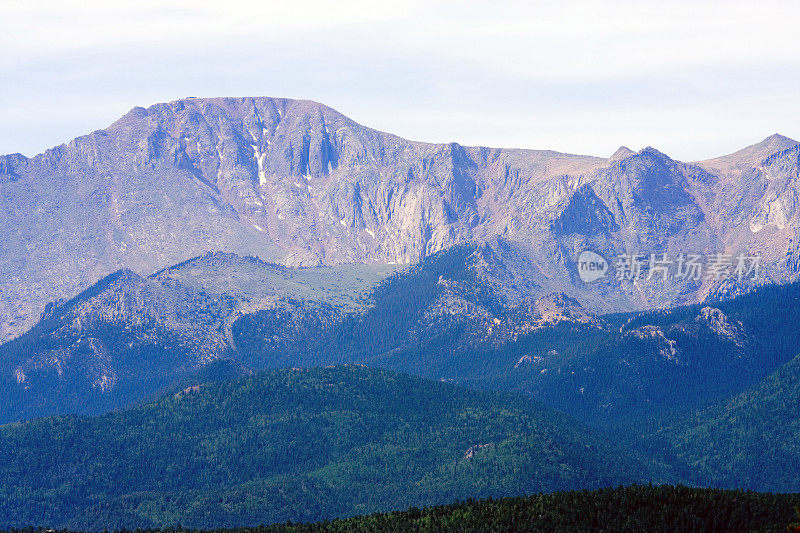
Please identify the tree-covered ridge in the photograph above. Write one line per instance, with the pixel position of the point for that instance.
(295, 444)
(751, 440)
(126, 338)
(391, 323)
(632, 508)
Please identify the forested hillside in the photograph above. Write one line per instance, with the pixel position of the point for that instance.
(635, 508)
(441, 319)
(668, 509)
(751, 440)
(300, 445)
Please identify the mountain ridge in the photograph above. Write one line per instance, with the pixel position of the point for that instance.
(137, 111)
(468, 314)
(298, 183)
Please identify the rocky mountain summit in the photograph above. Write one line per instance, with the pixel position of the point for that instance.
(298, 183)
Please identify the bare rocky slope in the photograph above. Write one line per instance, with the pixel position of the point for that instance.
(298, 183)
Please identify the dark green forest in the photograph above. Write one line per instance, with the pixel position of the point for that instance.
(632, 508)
(751, 440)
(297, 444)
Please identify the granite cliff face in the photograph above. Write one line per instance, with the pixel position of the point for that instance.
(298, 183)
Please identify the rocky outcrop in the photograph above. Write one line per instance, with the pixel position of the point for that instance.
(719, 323)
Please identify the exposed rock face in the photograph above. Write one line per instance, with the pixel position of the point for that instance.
(667, 348)
(297, 182)
(719, 323)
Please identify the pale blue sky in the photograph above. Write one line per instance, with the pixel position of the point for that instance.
(693, 79)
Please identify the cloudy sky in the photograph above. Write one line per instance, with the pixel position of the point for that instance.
(694, 79)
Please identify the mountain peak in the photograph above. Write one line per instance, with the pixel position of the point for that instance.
(772, 144)
(778, 139)
(748, 157)
(623, 152)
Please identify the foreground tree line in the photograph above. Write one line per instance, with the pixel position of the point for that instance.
(635, 508)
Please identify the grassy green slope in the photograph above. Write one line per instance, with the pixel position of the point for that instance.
(250, 279)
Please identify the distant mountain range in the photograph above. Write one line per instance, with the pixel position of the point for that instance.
(297, 183)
